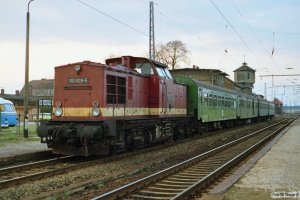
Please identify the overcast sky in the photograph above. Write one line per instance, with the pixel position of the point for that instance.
(68, 31)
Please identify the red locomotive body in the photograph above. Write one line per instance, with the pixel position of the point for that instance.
(129, 102)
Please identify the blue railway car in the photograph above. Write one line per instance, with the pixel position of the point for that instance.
(8, 113)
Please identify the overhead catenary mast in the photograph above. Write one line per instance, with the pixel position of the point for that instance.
(151, 33)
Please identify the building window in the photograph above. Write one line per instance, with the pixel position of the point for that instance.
(116, 90)
(248, 75)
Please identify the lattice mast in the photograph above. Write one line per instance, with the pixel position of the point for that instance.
(151, 33)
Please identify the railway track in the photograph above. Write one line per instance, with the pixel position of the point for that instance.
(16, 175)
(10, 176)
(19, 174)
(187, 178)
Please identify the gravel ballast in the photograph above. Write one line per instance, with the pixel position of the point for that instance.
(138, 165)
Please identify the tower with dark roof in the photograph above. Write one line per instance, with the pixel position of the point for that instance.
(244, 77)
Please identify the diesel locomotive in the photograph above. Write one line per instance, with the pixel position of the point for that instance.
(133, 102)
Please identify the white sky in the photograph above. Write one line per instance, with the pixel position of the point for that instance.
(68, 31)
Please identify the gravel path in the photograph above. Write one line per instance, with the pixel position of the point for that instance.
(14, 149)
(279, 168)
(278, 171)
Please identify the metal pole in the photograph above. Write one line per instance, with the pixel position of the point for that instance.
(0, 120)
(151, 33)
(26, 74)
(273, 91)
(265, 90)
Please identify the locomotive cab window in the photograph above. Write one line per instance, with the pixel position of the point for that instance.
(144, 68)
(116, 90)
(163, 72)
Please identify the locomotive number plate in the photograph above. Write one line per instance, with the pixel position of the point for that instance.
(82, 80)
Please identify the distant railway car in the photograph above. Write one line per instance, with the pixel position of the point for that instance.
(8, 113)
(247, 107)
(263, 108)
(271, 107)
(128, 102)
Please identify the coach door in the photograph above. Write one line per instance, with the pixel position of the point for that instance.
(200, 103)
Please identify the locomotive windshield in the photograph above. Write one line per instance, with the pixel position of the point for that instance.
(163, 72)
(144, 68)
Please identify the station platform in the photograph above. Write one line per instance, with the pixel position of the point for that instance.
(22, 151)
(274, 172)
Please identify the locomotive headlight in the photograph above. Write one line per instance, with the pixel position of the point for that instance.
(77, 68)
(95, 103)
(58, 111)
(58, 104)
(95, 112)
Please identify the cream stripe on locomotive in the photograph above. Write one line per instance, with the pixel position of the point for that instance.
(109, 112)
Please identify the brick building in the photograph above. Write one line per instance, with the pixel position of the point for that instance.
(38, 89)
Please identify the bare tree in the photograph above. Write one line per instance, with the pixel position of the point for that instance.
(172, 53)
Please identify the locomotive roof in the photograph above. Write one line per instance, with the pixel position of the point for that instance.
(85, 62)
(134, 60)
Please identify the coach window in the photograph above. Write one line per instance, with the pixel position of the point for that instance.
(215, 100)
(225, 102)
(210, 100)
(220, 101)
(205, 99)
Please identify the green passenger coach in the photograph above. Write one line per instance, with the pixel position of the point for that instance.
(209, 103)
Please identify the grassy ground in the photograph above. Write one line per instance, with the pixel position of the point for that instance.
(15, 135)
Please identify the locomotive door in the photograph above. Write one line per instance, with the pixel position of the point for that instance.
(164, 96)
(77, 102)
(129, 107)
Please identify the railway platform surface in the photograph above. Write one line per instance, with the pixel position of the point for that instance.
(18, 151)
(273, 174)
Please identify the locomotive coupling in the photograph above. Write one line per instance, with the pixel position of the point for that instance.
(42, 131)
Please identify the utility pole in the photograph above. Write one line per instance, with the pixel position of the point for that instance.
(151, 33)
(272, 75)
(0, 120)
(26, 74)
(265, 90)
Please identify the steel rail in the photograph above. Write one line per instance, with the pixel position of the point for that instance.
(201, 184)
(26, 166)
(36, 176)
(129, 188)
(40, 175)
